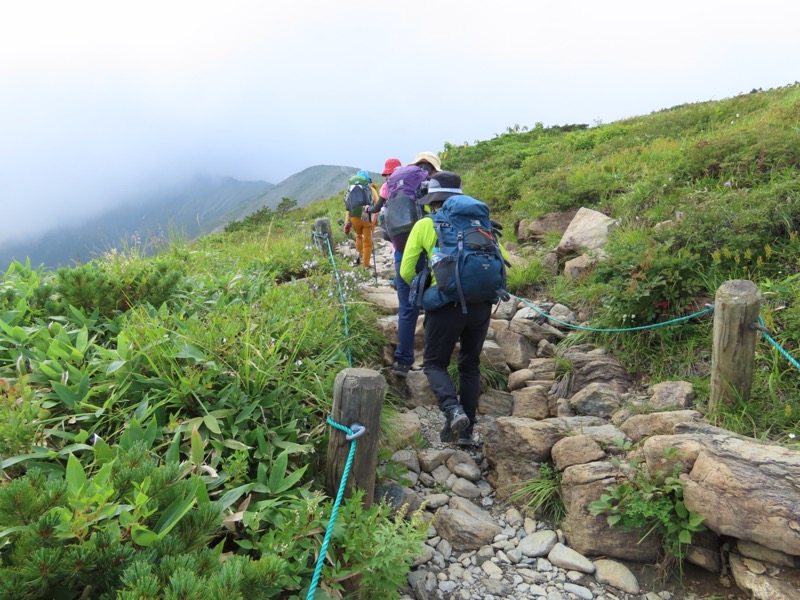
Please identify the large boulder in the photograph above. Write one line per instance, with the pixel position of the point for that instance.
(531, 401)
(639, 427)
(672, 395)
(515, 447)
(747, 490)
(517, 349)
(587, 231)
(590, 364)
(496, 403)
(465, 530)
(537, 228)
(596, 399)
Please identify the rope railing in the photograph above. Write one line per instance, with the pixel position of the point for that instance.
(639, 328)
(327, 239)
(352, 435)
(777, 346)
(761, 327)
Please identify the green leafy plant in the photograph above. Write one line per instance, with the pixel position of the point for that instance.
(651, 501)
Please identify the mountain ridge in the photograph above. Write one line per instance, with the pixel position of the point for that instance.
(200, 206)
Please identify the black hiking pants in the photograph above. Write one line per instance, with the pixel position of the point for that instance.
(445, 327)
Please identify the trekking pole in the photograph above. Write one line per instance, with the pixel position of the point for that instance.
(374, 263)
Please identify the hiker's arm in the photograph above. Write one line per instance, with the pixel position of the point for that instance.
(503, 250)
(376, 208)
(421, 239)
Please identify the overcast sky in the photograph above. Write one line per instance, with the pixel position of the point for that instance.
(103, 100)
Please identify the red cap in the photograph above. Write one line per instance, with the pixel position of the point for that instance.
(390, 166)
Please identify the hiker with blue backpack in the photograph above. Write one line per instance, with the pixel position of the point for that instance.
(463, 274)
(360, 195)
(404, 186)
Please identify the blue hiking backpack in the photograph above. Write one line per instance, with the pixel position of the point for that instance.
(402, 210)
(467, 262)
(358, 195)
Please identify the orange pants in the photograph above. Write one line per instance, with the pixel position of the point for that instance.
(363, 231)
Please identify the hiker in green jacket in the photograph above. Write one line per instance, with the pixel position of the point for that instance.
(448, 325)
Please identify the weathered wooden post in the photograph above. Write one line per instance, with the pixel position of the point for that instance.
(322, 226)
(736, 309)
(357, 398)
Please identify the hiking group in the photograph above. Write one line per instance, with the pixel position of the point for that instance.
(448, 263)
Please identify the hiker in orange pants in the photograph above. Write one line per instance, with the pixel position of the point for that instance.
(363, 231)
(358, 220)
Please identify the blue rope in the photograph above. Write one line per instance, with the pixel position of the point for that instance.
(329, 531)
(341, 295)
(777, 345)
(640, 328)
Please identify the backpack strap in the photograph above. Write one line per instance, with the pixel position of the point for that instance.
(459, 256)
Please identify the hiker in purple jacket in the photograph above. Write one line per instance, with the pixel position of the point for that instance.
(399, 222)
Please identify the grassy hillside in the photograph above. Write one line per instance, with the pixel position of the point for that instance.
(703, 193)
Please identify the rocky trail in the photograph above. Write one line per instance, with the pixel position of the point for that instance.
(479, 545)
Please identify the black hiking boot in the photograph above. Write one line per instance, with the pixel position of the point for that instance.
(400, 369)
(465, 439)
(455, 422)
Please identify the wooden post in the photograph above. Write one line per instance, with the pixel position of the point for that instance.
(736, 310)
(322, 226)
(357, 398)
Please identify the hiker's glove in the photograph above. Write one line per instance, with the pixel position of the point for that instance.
(347, 227)
(496, 224)
(366, 210)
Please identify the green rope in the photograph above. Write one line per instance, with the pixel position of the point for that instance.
(777, 346)
(641, 327)
(341, 295)
(328, 532)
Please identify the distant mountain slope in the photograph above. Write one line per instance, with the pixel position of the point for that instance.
(201, 206)
(307, 186)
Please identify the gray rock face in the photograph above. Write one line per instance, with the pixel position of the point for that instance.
(751, 577)
(515, 447)
(517, 349)
(496, 403)
(747, 490)
(592, 535)
(531, 402)
(576, 450)
(764, 554)
(538, 228)
(591, 364)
